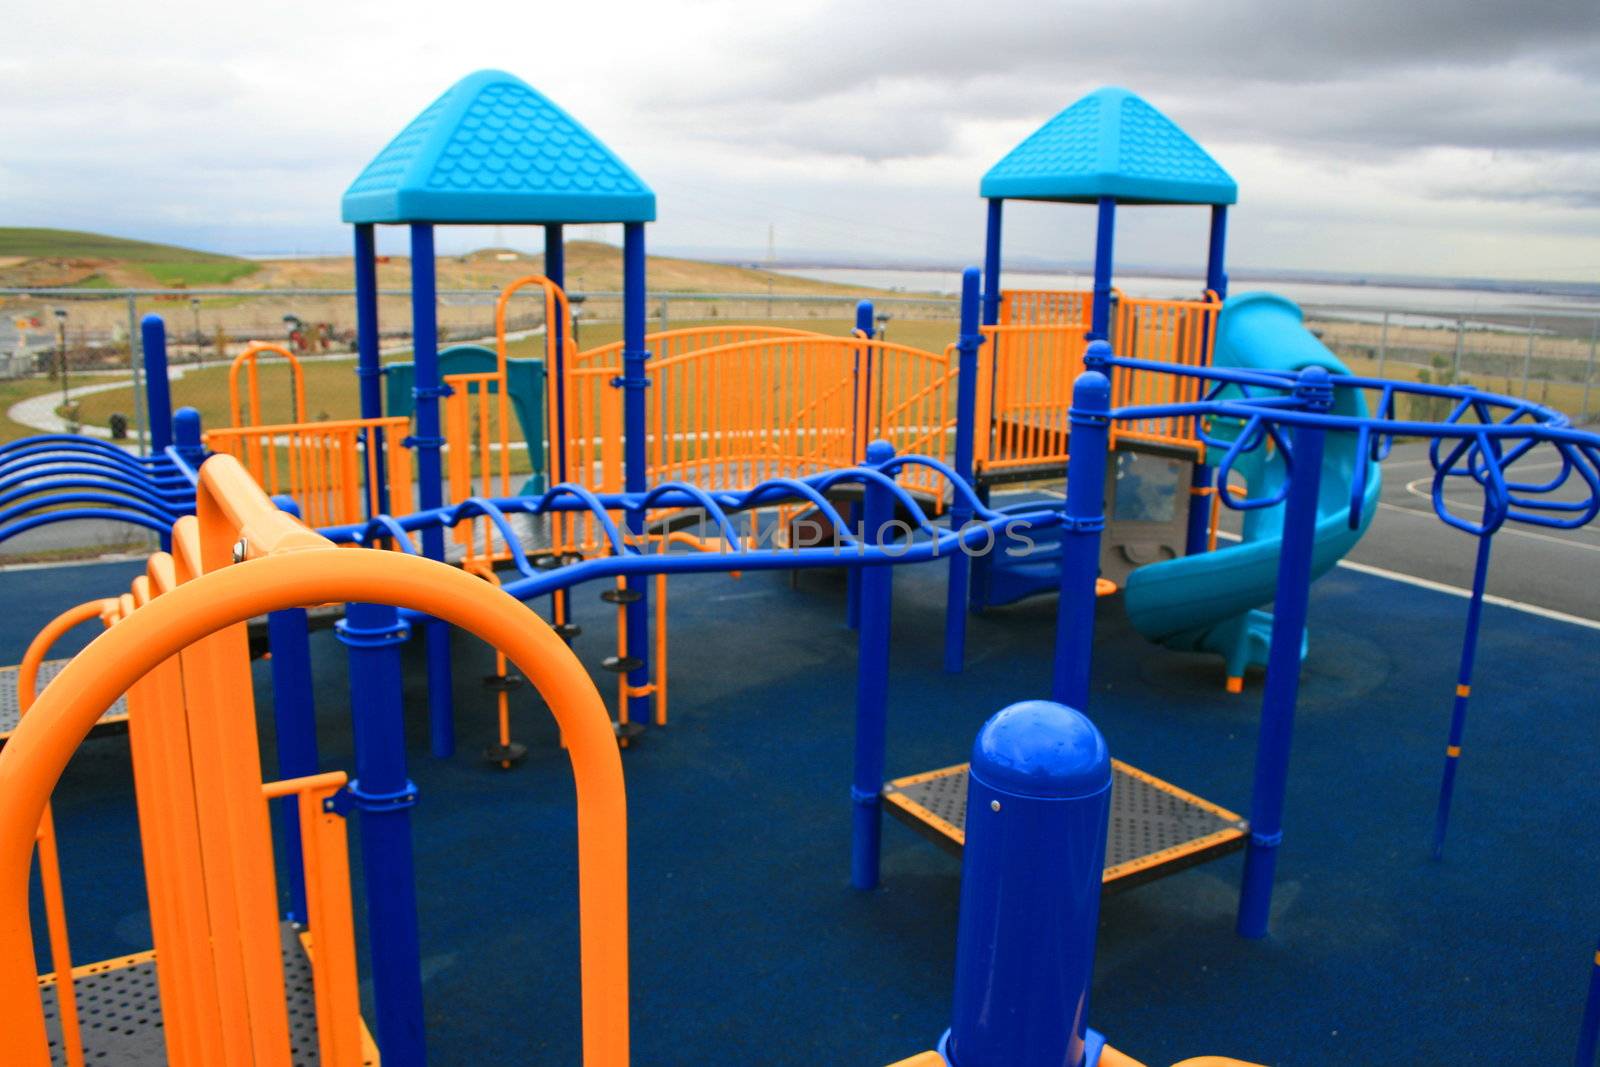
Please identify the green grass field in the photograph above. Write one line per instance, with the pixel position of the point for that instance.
(169, 265)
(40, 243)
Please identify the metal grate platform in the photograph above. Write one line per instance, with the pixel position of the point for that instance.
(114, 720)
(1156, 828)
(119, 1011)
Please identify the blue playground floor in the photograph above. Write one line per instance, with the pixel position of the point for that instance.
(748, 947)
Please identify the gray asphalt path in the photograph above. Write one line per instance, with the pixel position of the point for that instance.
(1554, 569)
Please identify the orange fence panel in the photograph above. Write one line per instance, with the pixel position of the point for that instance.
(1180, 332)
(325, 466)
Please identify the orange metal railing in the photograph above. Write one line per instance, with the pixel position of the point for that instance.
(325, 466)
(249, 413)
(1178, 332)
(178, 649)
(49, 856)
(1024, 394)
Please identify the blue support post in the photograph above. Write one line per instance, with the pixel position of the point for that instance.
(1589, 1029)
(1458, 714)
(991, 264)
(872, 682)
(1104, 240)
(1038, 800)
(369, 370)
(428, 441)
(852, 578)
(187, 436)
(385, 796)
(294, 716)
(1198, 535)
(635, 476)
(1289, 609)
(1216, 271)
(1090, 443)
(971, 338)
(978, 580)
(555, 268)
(157, 390)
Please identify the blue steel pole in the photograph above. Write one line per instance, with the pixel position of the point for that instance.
(978, 580)
(1038, 800)
(991, 264)
(1589, 1030)
(157, 390)
(1104, 240)
(1458, 714)
(428, 441)
(369, 372)
(955, 605)
(872, 682)
(385, 796)
(1198, 534)
(1080, 534)
(555, 268)
(635, 476)
(862, 434)
(294, 717)
(1283, 658)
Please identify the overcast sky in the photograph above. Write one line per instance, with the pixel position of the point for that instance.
(1455, 137)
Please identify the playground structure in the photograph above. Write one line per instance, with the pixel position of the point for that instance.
(1234, 387)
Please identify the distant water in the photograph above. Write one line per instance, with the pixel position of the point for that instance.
(1442, 303)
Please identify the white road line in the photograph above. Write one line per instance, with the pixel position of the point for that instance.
(1456, 590)
(1504, 530)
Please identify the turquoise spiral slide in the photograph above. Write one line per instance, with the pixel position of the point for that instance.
(1212, 601)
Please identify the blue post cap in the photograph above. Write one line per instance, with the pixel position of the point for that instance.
(152, 319)
(1038, 748)
(186, 423)
(879, 452)
(1092, 392)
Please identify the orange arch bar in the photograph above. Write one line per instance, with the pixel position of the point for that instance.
(294, 567)
(247, 360)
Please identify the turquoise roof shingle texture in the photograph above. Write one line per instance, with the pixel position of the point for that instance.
(1110, 143)
(493, 149)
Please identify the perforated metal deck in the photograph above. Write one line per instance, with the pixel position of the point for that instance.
(116, 718)
(119, 1011)
(1156, 828)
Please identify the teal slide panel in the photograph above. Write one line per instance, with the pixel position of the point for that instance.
(1210, 602)
(525, 381)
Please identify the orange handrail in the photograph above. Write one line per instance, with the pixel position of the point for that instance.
(286, 565)
(49, 859)
(248, 359)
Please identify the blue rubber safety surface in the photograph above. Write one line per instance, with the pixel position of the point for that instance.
(749, 947)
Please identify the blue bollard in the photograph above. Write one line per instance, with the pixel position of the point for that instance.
(384, 796)
(872, 683)
(157, 389)
(1080, 537)
(1038, 800)
(955, 607)
(1283, 659)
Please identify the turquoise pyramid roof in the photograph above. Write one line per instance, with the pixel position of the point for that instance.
(1110, 143)
(493, 149)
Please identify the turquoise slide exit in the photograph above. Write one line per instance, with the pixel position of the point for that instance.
(1210, 602)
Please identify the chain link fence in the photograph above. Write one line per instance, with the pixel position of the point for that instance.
(1546, 356)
